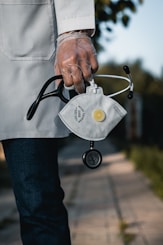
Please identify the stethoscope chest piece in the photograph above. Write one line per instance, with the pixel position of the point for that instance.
(92, 158)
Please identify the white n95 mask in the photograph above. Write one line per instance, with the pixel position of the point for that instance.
(92, 115)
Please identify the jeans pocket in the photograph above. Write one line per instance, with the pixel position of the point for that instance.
(27, 29)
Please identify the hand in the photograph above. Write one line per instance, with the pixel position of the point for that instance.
(75, 59)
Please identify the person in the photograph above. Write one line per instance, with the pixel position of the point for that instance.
(40, 38)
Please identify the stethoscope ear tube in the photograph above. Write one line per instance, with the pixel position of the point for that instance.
(32, 110)
(130, 86)
(41, 95)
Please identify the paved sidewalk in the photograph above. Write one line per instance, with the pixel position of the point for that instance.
(111, 205)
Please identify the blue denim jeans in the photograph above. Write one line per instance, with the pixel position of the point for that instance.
(39, 197)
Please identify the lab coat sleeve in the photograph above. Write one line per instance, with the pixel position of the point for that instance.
(74, 15)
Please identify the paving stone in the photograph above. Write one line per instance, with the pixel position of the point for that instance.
(105, 206)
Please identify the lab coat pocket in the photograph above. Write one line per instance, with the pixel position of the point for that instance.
(27, 29)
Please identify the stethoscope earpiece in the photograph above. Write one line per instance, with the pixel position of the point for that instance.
(130, 95)
(127, 70)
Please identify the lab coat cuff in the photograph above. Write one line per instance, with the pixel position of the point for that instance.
(79, 24)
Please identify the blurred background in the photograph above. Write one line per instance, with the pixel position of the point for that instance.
(129, 33)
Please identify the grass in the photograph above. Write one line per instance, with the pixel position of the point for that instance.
(126, 236)
(150, 161)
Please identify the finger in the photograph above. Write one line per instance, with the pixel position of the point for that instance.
(93, 61)
(67, 77)
(57, 72)
(72, 76)
(94, 65)
(86, 70)
(88, 63)
(77, 78)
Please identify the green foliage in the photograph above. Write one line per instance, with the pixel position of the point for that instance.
(126, 236)
(150, 161)
(144, 82)
(110, 12)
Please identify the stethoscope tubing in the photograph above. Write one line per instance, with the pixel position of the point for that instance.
(129, 80)
(59, 91)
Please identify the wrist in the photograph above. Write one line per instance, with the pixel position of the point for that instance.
(76, 34)
(88, 32)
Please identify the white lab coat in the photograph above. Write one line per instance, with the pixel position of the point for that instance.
(28, 31)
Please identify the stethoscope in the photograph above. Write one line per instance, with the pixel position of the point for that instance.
(92, 158)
